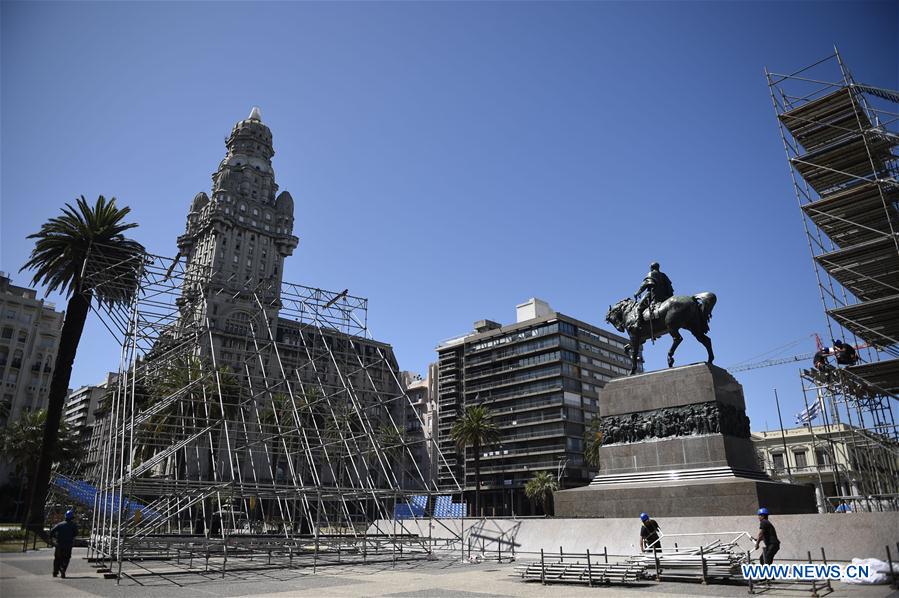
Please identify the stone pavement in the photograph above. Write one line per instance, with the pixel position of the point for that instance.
(28, 576)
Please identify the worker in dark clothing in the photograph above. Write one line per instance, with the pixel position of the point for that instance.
(768, 535)
(63, 534)
(846, 354)
(819, 361)
(649, 533)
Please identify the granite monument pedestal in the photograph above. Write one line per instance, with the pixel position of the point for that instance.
(676, 443)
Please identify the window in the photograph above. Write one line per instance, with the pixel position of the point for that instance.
(821, 457)
(800, 459)
(778, 460)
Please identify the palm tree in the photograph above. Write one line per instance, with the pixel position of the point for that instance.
(540, 488)
(593, 442)
(476, 429)
(61, 260)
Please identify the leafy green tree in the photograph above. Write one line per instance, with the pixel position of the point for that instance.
(393, 443)
(592, 442)
(20, 444)
(277, 420)
(85, 255)
(540, 489)
(476, 429)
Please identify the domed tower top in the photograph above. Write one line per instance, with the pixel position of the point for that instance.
(247, 168)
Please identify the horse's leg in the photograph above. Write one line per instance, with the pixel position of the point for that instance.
(678, 339)
(634, 352)
(706, 342)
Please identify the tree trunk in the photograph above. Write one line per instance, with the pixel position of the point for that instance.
(477, 480)
(73, 326)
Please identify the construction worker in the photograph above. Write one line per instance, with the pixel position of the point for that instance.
(63, 534)
(846, 354)
(819, 361)
(768, 535)
(649, 533)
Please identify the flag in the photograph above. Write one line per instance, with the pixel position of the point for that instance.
(809, 413)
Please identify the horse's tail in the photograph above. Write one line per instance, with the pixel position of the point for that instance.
(706, 302)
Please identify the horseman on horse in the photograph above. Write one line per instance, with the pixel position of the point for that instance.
(660, 311)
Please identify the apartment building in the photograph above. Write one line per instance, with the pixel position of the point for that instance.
(540, 378)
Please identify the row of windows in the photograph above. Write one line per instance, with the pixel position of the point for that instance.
(519, 336)
(25, 318)
(603, 364)
(518, 363)
(602, 338)
(605, 353)
(512, 351)
(553, 370)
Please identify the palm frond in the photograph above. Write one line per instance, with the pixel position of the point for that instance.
(84, 250)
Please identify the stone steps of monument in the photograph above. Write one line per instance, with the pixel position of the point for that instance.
(708, 473)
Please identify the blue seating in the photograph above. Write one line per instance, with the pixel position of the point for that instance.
(86, 494)
(445, 507)
(411, 509)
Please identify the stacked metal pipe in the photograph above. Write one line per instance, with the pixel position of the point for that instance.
(579, 571)
(718, 560)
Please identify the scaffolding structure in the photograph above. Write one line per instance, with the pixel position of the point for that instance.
(840, 136)
(290, 452)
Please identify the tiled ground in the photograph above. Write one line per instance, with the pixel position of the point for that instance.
(28, 576)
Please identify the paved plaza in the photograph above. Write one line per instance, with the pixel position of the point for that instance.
(28, 576)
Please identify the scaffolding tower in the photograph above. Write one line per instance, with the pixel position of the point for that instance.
(292, 451)
(840, 136)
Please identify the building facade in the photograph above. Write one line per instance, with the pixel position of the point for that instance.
(29, 339)
(540, 378)
(843, 464)
(82, 405)
(420, 421)
(246, 321)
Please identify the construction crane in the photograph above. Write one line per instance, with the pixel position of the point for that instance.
(769, 362)
(782, 360)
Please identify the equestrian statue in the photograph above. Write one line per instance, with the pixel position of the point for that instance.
(661, 312)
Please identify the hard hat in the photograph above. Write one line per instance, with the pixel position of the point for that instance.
(644, 516)
(70, 514)
(763, 511)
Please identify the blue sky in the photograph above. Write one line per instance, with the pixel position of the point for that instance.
(450, 160)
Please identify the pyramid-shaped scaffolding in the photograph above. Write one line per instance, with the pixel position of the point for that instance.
(282, 435)
(841, 140)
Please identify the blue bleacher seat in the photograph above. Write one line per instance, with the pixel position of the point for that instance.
(86, 494)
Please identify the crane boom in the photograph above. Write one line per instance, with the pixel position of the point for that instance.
(770, 362)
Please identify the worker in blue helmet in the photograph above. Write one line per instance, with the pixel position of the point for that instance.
(63, 535)
(768, 535)
(649, 533)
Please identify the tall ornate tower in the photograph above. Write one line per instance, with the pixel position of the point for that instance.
(236, 240)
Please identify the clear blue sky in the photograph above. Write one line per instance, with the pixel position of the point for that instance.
(449, 160)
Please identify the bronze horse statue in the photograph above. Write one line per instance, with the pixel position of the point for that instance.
(679, 312)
